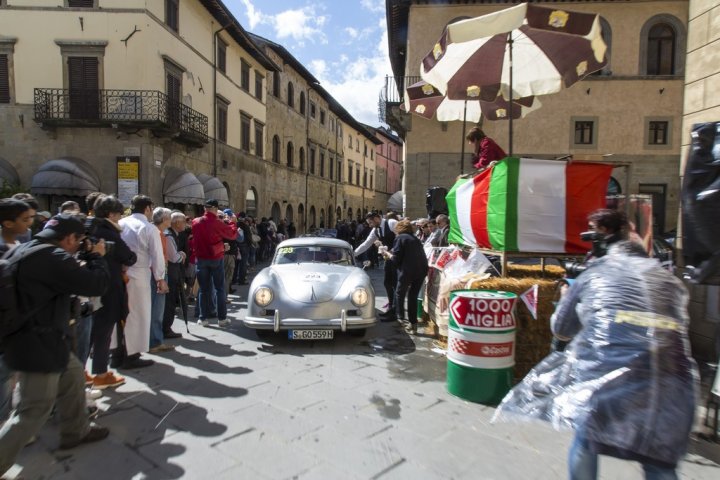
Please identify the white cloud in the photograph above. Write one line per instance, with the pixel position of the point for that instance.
(375, 6)
(352, 32)
(356, 82)
(318, 67)
(300, 24)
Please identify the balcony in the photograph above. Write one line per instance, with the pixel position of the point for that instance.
(123, 109)
(390, 100)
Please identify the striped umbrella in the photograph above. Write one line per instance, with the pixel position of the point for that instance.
(424, 100)
(518, 52)
(527, 205)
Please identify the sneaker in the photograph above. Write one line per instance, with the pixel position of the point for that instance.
(163, 347)
(411, 328)
(108, 380)
(224, 323)
(88, 379)
(172, 334)
(94, 434)
(92, 393)
(204, 323)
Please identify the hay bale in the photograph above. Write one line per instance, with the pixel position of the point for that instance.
(533, 337)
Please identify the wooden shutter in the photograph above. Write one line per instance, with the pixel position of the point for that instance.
(4, 79)
(173, 91)
(84, 87)
(81, 3)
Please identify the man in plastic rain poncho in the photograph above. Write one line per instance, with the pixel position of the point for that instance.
(626, 382)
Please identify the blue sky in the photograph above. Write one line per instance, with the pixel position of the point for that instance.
(342, 42)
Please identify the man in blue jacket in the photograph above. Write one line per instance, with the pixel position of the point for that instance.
(49, 373)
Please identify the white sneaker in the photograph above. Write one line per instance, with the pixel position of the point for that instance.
(204, 323)
(224, 323)
(92, 394)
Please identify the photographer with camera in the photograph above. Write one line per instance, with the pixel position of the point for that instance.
(108, 212)
(39, 349)
(626, 381)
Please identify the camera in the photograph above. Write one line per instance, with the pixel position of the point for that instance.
(91, 240)
(600, 245)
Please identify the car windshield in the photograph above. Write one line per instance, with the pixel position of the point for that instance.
(313, 254)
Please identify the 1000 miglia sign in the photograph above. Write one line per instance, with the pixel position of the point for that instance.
(483, 310)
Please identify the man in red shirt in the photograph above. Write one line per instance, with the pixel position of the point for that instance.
(485, 150)
(208, 234)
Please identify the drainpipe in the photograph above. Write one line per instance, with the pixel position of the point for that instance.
(214, 112)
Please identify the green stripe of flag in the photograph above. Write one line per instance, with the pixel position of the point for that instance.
(502, 215)
(455, 235)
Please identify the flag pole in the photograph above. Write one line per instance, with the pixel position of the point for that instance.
(510, 125)
(462, 142)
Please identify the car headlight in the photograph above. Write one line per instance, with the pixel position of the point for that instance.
(360, 297)
(263, 296)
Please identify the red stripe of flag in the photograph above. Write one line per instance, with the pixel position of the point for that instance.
(479, 206)
(585, 190)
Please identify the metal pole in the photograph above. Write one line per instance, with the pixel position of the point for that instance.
(510, 125)
(462, 141)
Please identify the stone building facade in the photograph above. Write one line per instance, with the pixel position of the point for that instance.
(91, 107)
(633, 107)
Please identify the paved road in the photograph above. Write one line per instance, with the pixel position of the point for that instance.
(225, 405)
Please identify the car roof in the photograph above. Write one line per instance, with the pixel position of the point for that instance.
(314, 241)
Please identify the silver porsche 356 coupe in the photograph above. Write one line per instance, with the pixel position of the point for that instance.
(312, 289)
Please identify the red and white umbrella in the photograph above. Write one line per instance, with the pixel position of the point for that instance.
(521, 51)
(424, 100)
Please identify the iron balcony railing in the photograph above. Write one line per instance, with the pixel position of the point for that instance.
(390, 95)
(142, 108)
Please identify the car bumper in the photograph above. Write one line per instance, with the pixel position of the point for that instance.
(276, 322)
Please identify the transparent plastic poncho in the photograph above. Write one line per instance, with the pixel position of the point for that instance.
(627, 378)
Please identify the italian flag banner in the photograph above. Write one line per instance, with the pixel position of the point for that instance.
(528, 205)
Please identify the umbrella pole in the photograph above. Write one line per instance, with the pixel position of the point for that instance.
(462, 142)
(510, 125)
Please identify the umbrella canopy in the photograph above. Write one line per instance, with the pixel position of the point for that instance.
(521, 51)
(423, 99)
(214, 188)
(65, 176)
(181, 186)
(395, 202)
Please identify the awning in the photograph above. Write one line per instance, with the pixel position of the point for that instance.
(181, 186)
(8, 173)
(395, 202)
(214, 188)
(65, 176)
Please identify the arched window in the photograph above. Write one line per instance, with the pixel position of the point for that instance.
(349, 214)
(359, 215)
(311, 219)
(302, 103)
(251, 202)
(349, 140)
(662, 41)
(275, 212)
(607, 38)
(276, 149)
(291, 95)
(338, 213)
(289, 214)
(301, 155)
(290, 154)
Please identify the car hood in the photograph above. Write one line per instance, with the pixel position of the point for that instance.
(311, 283)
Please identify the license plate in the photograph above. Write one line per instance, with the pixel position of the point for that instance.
(310, 334)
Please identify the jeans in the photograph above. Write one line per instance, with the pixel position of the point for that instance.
(38, 393)
(583, 463)
(211, 276)
(156, 314)
(5, 390)
(82, 337)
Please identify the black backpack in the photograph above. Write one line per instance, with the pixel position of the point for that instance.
(11, 319)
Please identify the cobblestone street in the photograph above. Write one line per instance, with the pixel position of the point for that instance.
(226, 405)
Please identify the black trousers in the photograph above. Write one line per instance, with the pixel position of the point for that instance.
(175, 285)
(104, 321)
(390, 282)
(409, 287)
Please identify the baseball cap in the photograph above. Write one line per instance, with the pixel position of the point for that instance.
(61, 226)
(228, 212)
(211, 203)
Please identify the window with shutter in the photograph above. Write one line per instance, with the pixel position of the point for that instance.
(173, 89)
(4, 79)
(81, 3)
(221, 56)
(172, 14)
(222, 121)
(84, 87)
